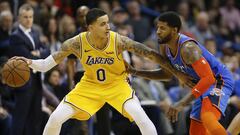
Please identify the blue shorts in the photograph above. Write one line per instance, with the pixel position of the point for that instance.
(218, 93)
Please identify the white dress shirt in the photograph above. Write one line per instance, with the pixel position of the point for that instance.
(27, 33)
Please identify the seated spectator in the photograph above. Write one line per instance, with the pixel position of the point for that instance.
(211, 46)
(6, 104)
(153, 96)
(53, 84)
(201, 30)
(6, 21)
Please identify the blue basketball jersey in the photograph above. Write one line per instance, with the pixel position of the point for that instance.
(217, 67)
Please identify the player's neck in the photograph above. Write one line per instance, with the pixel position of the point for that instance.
(96, 41)
(172, 44)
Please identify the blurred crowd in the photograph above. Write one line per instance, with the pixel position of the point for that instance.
(214, 23)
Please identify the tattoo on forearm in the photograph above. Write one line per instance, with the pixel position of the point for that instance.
(142, 50)
(75, 47)
(70, 46)
(135, 47)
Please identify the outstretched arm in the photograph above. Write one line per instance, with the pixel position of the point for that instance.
(124, 43)
(70, 46)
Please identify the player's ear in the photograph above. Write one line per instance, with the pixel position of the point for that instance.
(90, 27)
(175, 30)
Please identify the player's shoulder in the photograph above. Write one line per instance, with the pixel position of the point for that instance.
(189, 46)
(190, 52)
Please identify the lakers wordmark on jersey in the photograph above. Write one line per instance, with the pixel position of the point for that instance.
(101, 66)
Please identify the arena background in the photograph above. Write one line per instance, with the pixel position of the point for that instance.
(214, 23)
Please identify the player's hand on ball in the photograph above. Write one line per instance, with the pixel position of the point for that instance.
(28, 61)
(173, 111)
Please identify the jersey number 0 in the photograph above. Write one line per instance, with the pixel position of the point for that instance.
(101, 75)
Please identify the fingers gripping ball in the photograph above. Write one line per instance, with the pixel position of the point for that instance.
(15, 73)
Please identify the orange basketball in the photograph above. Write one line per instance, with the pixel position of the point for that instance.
(15, 73)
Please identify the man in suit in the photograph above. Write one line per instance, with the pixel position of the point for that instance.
(24, 41)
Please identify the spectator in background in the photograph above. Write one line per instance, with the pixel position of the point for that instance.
(5, 104)
(4, 5)
(184, 11)
(105, 6)
(116, 4)
(152, 95)
(119, 17)
(211, 46)
(52, 35)
(6, 22)
(64, 7)
(25, 42)
(138, 22)
(53, 83)
(67, 27)
(231, 15)
(201, 30)
(214, 15)
(81, 19)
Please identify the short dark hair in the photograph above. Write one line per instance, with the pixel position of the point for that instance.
(26, 7)
(171, 18)
(93, 15)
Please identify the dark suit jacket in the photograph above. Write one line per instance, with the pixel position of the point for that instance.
(27, 111)
(22, 46)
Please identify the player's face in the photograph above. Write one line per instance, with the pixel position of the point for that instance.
(101, 26)
(26, 18)
(164, 32)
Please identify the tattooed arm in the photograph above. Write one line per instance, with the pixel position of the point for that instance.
(70, 46)
(124, 43)
(156, 74)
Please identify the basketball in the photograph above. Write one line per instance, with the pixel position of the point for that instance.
(15, 73)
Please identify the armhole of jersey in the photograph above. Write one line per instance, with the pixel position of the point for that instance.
(81, 48)
(116, 46)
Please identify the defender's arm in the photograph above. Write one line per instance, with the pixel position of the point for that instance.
(192, 55)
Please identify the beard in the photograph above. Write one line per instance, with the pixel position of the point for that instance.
(165, 39)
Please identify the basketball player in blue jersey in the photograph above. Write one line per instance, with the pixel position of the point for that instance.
(104, 81)
(214, 81)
